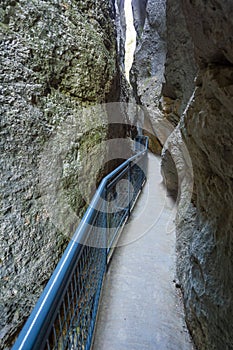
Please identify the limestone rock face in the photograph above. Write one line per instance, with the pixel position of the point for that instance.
(199, 121)
(139, 13)
(121, 30)
(211, 27)
(204, 232)
(56, 58)
(180, 71)
(180, 66)
(148, 67)
(124, 90)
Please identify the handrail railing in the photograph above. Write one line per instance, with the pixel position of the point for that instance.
(64, 316)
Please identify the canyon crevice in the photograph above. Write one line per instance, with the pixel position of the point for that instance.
(58, 59)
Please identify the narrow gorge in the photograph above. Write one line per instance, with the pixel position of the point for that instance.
(61, 61)
(182, 75)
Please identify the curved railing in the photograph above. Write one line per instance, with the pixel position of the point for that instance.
(65, 314)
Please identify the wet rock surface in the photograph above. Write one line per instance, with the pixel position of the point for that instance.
(56, 57)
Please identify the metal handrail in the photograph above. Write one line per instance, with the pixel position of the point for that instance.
(65, 292)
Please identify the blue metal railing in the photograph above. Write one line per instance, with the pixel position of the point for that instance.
(65, 314)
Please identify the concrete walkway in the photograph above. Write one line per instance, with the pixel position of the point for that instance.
(141, 307)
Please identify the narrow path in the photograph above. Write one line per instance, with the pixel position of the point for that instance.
(140, 307)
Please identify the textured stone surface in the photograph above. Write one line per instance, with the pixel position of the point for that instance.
(202, 146)
(204, 232)
(124, 91)
(180, 71)
(148, 67)
(180, 67)
(121, 30)
(211, 26)
(204, 241)
(139, 13)
(55, 58)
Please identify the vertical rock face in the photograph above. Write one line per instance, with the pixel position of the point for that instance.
(139, 12)
(204, 232)
(121, 39)
(211, 28)
(180, 67)
(199, 38)
(56, 57)
(121, 30)
(148, 67)
(180, 71)
(163, 72)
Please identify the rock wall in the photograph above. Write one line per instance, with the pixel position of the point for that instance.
(163, 73)
(125, 91)
(204, 231)
(199, 45)
(147, 73)
(180, 72)
(139, 13)
(121, 30)
(180, 66)
(56, 58)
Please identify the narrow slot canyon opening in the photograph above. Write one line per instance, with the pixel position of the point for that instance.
(130, 41)
(164, 68)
